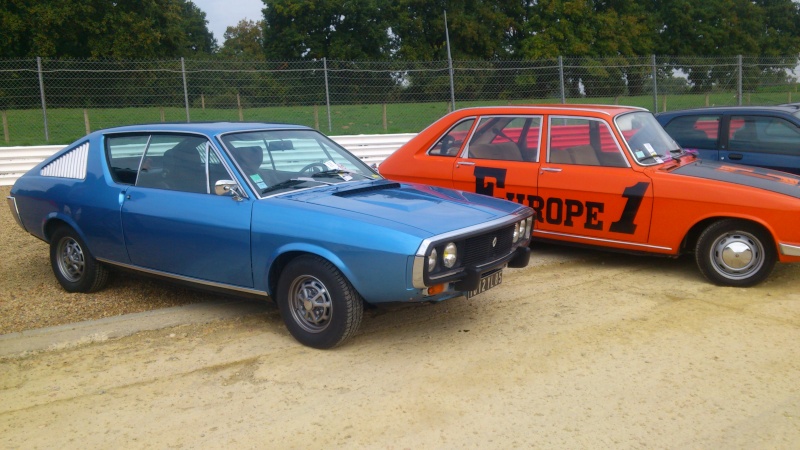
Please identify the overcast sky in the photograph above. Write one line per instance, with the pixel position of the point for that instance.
(222, 14)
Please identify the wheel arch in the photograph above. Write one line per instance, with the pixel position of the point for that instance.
(283, 259)
(691, 237)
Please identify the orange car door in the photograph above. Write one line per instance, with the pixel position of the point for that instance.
(587, 190)
(501, 158)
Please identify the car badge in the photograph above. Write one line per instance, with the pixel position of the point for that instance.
(494, 242)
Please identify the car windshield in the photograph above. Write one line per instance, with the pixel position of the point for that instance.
(277, 161)
(647, 140)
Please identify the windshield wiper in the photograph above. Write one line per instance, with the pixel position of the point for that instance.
(337, 172)
(291, 184)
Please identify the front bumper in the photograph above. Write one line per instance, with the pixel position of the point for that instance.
(472, 276)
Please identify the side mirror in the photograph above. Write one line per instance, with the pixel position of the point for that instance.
(228, 187)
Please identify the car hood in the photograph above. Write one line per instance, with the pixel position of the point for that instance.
(431, 209)
(757, 177)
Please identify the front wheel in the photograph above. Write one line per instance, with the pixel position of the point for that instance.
(319, 306)
(73, 265)
(735, 253)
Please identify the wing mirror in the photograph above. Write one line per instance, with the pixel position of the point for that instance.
(228, 187)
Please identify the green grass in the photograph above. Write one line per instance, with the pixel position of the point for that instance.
(26, 127)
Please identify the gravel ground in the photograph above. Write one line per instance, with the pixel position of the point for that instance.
(30, 296)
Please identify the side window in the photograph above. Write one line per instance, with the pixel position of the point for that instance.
(506, 138)
(695, 131)
(584, 142)
(175, 162)
(124, 154)
(451, 142)
(763, 134)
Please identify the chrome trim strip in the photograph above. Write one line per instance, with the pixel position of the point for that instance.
(184, 278)
(12, 204)
(789, 250)
(612, 241)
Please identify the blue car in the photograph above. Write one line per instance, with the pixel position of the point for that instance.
(273, 210)
(763, 136)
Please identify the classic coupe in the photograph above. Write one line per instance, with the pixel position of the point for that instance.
(272, 210)
(610, 176)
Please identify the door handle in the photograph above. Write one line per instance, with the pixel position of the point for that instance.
(465, 163)
(550, 169)
(735, 156)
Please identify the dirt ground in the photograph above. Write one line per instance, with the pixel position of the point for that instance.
(579, 350)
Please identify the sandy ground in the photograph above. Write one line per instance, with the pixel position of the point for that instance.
(580, 350)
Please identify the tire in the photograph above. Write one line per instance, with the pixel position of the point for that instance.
(319, 306)
(735, 253)
(73, 265)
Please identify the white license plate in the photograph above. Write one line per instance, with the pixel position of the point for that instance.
(487, 282)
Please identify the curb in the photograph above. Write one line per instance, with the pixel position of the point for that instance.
(70, 335)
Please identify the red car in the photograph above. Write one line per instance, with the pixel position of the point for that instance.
(610, 176)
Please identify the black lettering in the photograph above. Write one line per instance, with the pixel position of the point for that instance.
(554, 211)
(487, 188)
(537, 203)
(634, 194)
(574, 208)
(592, 208)
(519, 198)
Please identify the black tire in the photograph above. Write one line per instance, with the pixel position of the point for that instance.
(337, 312)
(73, 265)
(735, 253)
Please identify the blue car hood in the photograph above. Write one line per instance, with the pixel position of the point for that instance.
(431, 209)
(757, 177)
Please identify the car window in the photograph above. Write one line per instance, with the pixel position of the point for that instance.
(698, 131)
(506, 138)
(763, 134)
(124, 154)
(175, 162)
(583, 141)
(647, 140)
(451, 142)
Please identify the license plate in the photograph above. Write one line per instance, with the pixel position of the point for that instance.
(487, 282)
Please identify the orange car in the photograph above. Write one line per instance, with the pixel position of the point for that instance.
(610, 176)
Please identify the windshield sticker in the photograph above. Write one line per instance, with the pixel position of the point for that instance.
(650, 149)
(258, 181)
(331, 165)
(639, 154)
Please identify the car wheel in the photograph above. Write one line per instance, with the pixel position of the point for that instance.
(735, 253)
(73, 265)
(320, 307)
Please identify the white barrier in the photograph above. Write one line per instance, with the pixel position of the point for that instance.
(371, 148)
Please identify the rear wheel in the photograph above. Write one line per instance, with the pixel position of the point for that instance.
(319, 306)
(73, 265)
(736, 253)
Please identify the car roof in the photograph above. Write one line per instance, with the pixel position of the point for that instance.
(788, 108)
(555, 108)
(208, 128)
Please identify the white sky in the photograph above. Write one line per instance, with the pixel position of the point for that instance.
(222, 14)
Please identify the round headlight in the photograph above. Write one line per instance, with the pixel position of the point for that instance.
(528, 225)
(432, 260)
(449, 255)
(515, 238)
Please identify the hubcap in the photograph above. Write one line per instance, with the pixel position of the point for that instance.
(310, 303)
(71, 261)
(737, 255)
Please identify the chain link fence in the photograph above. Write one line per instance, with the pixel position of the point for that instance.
(57, 101)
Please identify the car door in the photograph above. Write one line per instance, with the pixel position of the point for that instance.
(587, 191)
(501, 158)
(174, 224)
(764, 141)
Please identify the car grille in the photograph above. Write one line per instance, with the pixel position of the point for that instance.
(479, 249)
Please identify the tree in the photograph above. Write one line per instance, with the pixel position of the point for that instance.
(333, 29)
(144, 29)
(244, 41)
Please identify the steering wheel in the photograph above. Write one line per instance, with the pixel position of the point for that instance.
(310, 168)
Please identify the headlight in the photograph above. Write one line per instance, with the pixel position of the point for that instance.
(449, 255)
(432, 260)
(528, 226)
(518, 228)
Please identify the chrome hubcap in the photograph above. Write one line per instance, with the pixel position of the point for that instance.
(310, 303)
(71, 261)
(737, 255)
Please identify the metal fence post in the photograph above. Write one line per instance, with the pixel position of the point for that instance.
(327, 93)
(561, 78)
(41, 94)
(450, 64)
(655, 84)
(739, 81)
(185, 90)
